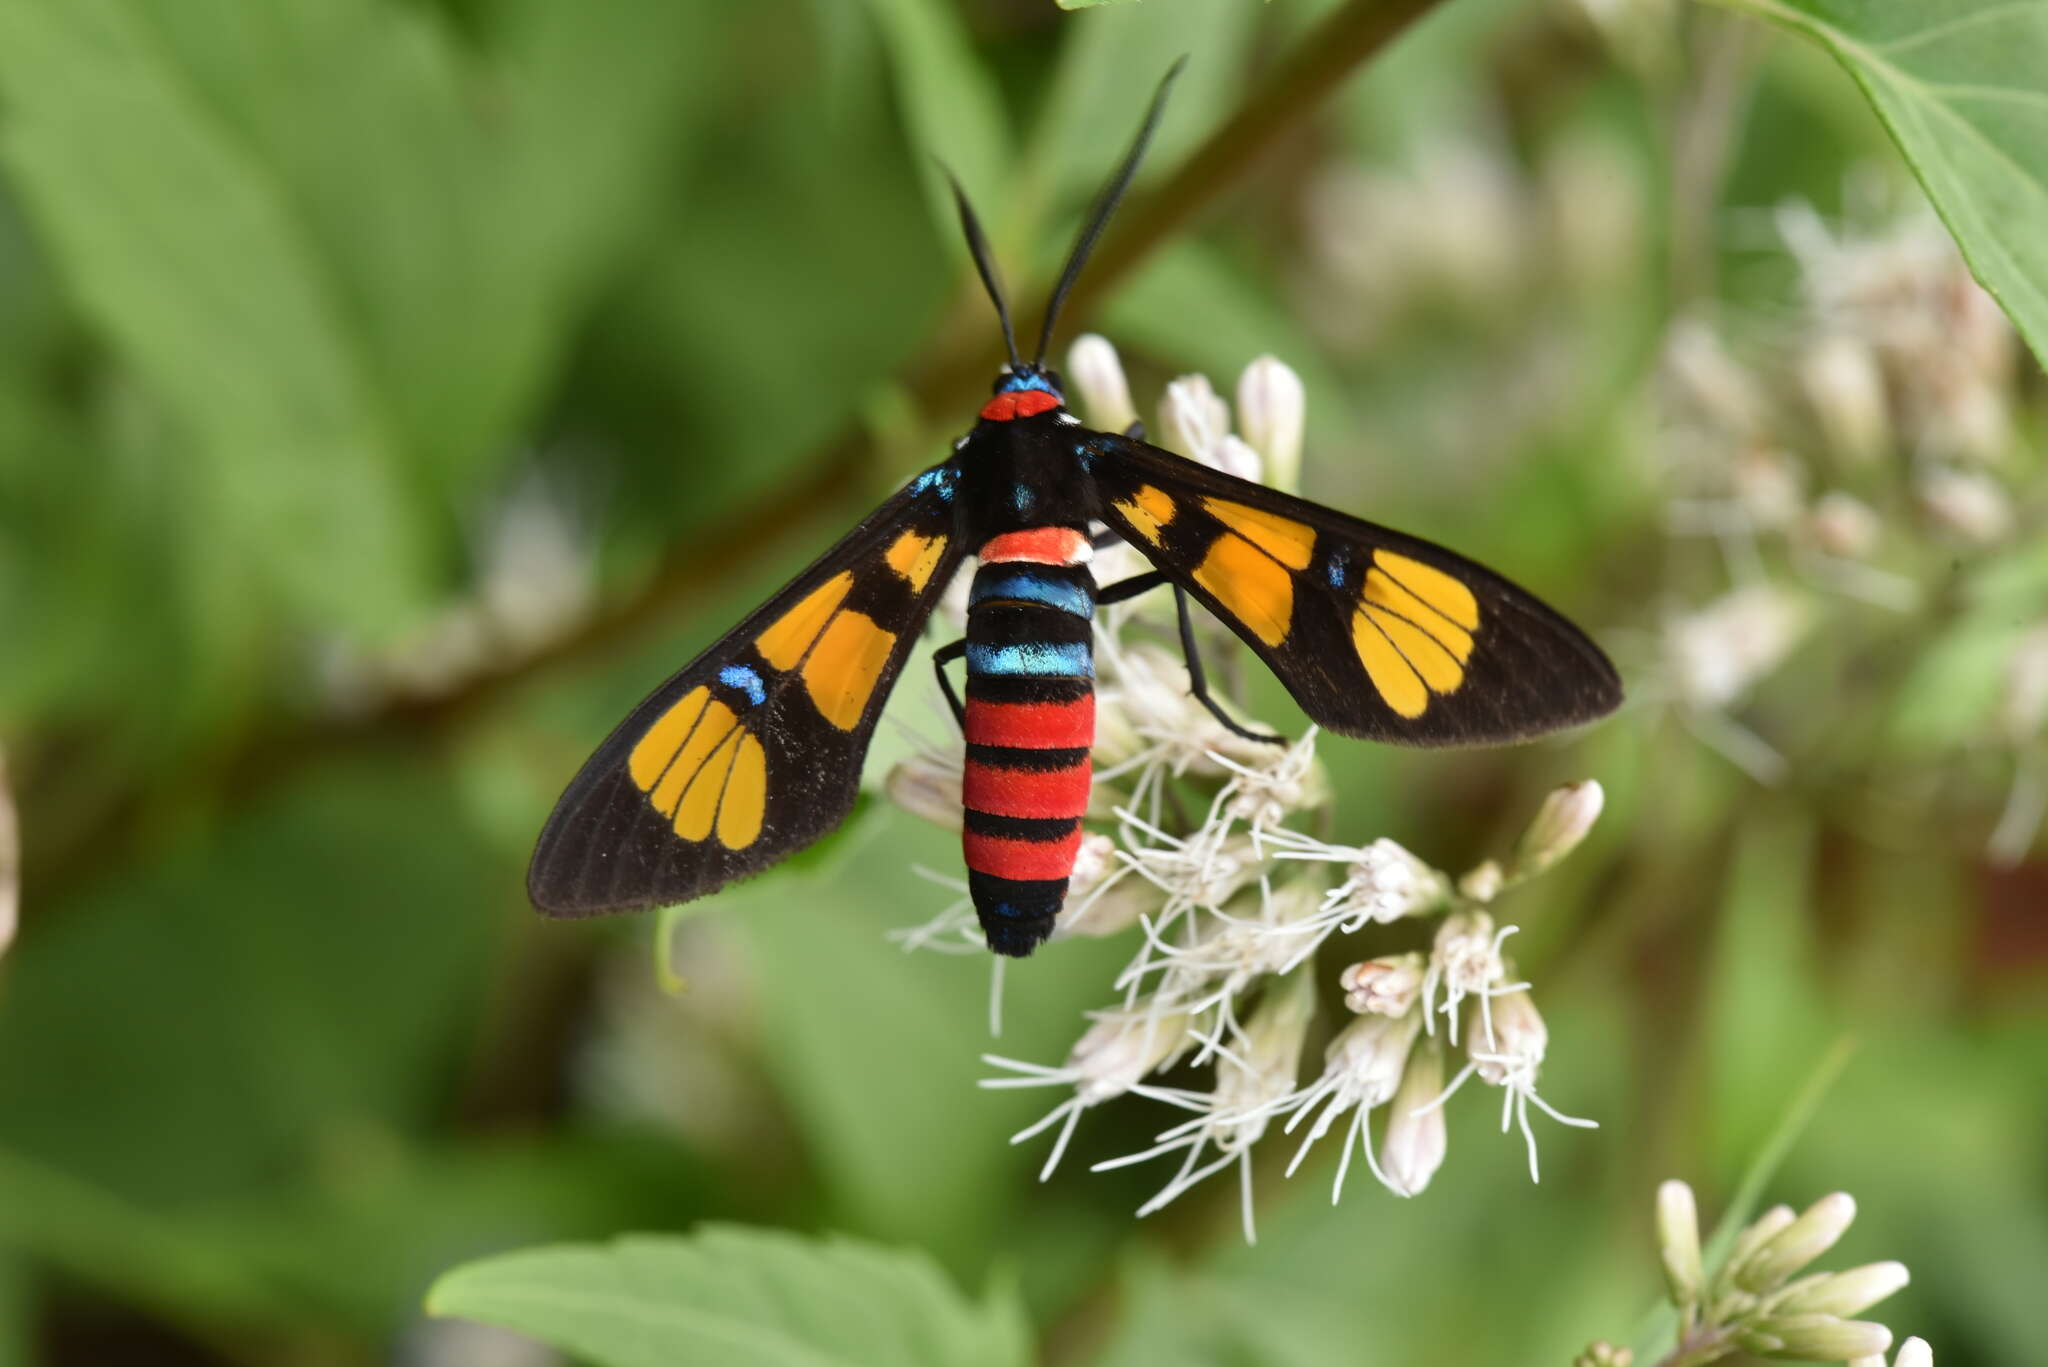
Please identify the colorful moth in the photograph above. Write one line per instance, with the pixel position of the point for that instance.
(754, 749)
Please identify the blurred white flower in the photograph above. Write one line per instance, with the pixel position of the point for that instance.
(1845, 386)
(1717, 653)
(1097, 375)
(1969, 503)
(1272, 407)
(1194, 420)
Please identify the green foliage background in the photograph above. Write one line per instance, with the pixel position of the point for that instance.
(294, 294)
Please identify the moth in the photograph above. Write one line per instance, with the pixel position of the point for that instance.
(753, 750)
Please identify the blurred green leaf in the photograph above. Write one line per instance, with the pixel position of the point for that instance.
(186, 250)
(299, 978)
(750, 1298)
(950, 101)
(340, 251)
(1958, 83)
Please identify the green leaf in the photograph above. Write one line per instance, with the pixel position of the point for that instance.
(193, 261)
(341, 249)
(949, 100)
(737, 1296)
(1959, 85)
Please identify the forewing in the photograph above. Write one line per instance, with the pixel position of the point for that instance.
(754, 749)
(1375, 633)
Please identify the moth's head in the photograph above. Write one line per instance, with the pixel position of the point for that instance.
(1013, 379)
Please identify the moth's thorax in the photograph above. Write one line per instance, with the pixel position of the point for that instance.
(1023, 472)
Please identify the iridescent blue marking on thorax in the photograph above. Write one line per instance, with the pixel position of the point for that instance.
(743, 679)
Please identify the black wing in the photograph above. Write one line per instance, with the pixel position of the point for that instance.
(754, 749)
(1375, 633)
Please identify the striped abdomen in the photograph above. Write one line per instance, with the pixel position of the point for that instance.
(1030, 723)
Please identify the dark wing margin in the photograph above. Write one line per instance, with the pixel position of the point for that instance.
(1375, 633)
(753, 750)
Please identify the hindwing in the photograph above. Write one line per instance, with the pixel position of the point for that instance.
(1375, 633)
(754, 749)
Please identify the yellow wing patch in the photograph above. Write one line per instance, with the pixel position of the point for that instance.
(650, 758)
(1390, 672)
(915, 558)
(1433, 587)
(784, 642)
(1413, 630)
(697, 765)
(1147, 511)
(1291, 543)
(746, 796)
(1251, 586)
(844, 666)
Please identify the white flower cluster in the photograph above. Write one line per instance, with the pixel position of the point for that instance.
(1859, 452)
(1233, 901)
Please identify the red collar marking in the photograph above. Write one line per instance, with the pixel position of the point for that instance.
(1018, 403)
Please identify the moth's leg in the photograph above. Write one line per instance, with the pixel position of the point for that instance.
(942, 657)
(1198, 682)
(1125, 589)
(1198, 679)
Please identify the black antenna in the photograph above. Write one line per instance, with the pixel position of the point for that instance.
(1105, 205)
(984, 262)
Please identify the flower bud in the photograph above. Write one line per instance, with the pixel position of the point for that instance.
(1386, 883)
(1601, 1353)
(1271, 1054)
(1097, 375)
(1768, 487)
(1271, 409)
(2024, 707)
(1716, 653)
(1845, 385)
(1122, 1046)
(1416, 1136)
(1798, 1244)
(927, 785)
(1482, 882)
(1710, 380)
(1843, 525)
(1843, 1293)
(1758, 1233)
(1914, 1353)
(1511, 1040)
(1678, 1243)
(1193, 419)
(1234, 456)
(1383, 987)
(1096, 910)
(1369, 1055)
(1814, 1338)
(1972, 505)
(1559, 825)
